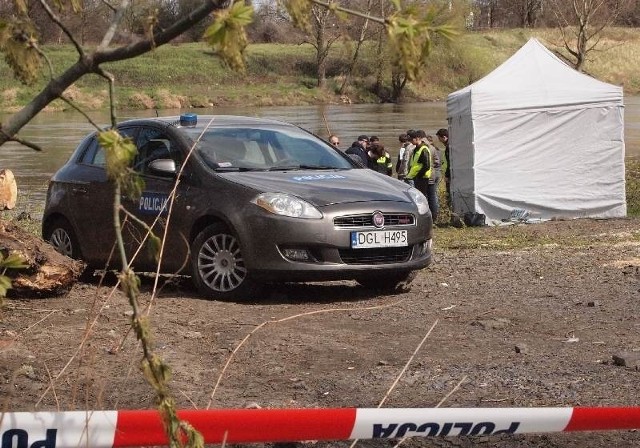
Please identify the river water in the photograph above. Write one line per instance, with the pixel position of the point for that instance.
(59, 132)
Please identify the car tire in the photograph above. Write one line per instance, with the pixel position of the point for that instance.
(218, 267)
(399, 281)
(63, 238)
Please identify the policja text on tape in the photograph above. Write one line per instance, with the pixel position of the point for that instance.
(105, 429)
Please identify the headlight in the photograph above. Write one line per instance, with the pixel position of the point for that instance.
(419, 199)
(287, 205)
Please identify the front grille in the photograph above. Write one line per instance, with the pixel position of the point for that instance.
(366, 220)
(375, 256)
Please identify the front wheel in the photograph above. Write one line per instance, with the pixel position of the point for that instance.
(397, 281)
(218, 266)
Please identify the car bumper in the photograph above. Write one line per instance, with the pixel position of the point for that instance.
(283, 248)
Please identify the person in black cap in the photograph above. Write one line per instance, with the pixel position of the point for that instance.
(358, 150)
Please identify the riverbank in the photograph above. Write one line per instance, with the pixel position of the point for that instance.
(189, 76)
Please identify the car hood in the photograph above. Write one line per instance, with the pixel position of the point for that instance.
(322, 188)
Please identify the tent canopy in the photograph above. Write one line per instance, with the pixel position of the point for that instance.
(536, 135)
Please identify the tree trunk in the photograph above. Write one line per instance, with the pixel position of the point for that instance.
(322, 51)
(48, 273)
(8, 190)
(363, 35)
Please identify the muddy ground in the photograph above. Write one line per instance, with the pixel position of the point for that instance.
(528, 327)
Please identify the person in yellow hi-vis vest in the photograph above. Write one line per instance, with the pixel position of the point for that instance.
(379, 159)
(421, 169)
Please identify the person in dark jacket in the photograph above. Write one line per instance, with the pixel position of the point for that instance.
(359, 149)
(379, 159)
(443, 136)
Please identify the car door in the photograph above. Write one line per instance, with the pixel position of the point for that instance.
(92, 199)
(152, 207)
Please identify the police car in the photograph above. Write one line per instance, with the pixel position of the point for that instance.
(244, 201)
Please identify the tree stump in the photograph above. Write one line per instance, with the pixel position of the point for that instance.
(48, 273)
(8, 190)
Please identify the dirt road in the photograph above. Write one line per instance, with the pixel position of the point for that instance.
(537, 325)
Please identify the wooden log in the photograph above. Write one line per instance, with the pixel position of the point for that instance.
(48, 274)
(8, 190)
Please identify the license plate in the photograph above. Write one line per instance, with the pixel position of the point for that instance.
(379, 238)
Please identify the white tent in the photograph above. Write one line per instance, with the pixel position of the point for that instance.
(537, 138)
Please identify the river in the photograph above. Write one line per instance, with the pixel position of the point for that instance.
(59, 132)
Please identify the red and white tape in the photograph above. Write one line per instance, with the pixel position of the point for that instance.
(98, 429)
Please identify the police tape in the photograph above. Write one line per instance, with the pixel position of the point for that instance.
(105, 429)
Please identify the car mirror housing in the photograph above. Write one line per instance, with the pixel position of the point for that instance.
(163, 166)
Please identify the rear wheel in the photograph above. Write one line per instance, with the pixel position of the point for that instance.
(397, 281)
(62, 237)
(218, 265)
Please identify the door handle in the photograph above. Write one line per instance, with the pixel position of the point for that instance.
(79, 190)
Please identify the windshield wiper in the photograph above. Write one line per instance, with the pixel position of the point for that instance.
(232, 169)
(302, 167)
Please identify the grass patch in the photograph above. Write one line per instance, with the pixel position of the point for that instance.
(26, 217)
(277, 71)
(523, 237)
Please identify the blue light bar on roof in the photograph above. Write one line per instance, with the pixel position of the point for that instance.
(188, 120)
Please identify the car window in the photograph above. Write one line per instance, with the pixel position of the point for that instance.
(261, 149)
(94, 154)
(154, 144)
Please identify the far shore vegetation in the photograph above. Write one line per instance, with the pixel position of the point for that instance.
(188, 75)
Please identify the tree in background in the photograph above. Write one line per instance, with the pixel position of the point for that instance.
(362, 35)
(531, 12)
(324, 34)
(445, 17)
(508, 13)
(272, 24)
(581, 23)
(544, 13)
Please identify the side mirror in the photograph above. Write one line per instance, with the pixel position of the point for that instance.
(166, 167)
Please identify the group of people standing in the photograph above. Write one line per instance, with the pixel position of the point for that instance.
(420, 162)
(370, 152)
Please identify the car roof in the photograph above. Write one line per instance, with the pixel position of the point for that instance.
(210, 121)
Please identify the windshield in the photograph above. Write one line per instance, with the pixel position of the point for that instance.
(272, 149)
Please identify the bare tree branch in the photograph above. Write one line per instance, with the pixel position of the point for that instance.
(352, 12)
(112, 94)
(90, 63)
(109, 5)
(61, 25)
(111, 31)
(354, 59)
(78, 109)
(16, 139)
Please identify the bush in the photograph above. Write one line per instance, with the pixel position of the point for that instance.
(633, 187)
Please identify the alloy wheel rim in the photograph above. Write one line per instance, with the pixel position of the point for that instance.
(220, 263)
(61, 241)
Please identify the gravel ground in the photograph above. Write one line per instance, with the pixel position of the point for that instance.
(534, 326)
